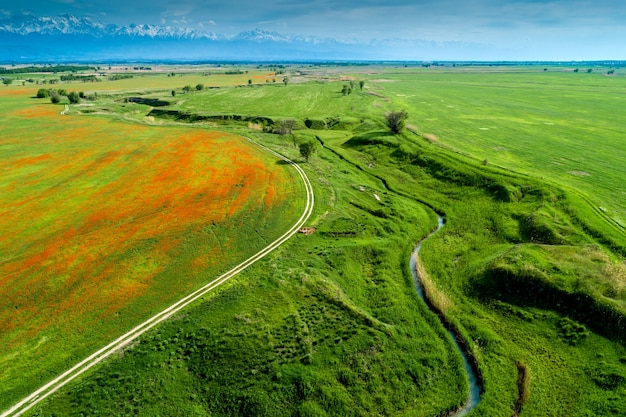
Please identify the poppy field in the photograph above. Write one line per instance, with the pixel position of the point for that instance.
(104, 223)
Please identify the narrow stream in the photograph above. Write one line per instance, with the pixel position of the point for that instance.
(474, 394)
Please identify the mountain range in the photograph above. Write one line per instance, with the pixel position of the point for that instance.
(27, 38)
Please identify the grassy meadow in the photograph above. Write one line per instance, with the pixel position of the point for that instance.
(523, 164)
(558, 125)
(104, 224)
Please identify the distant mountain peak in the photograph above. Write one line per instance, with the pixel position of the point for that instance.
(24, 39)
(259, 35)
(67, 24)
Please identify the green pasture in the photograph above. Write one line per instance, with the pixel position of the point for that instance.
(160, 79)
(300, 101)
(560, 126)
(529, 267)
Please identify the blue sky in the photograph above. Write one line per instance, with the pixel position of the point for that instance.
(511, 29)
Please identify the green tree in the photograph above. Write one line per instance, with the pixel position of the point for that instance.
(361, 84)
(286, 80)
(187, 88)
(173, 93)
(73, 97)
(284, 127)
(7, 81)
(43, 93)
(396, 120)
(307, 149)
(200, 87)
(249, 82)
(55, 97)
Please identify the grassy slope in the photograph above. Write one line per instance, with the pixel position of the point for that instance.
(503, 327)
(492, 217)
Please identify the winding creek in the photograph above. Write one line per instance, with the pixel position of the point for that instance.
(474, 394)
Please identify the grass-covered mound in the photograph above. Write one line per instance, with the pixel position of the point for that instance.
(580, 282)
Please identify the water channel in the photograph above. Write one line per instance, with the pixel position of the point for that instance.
(474, 394)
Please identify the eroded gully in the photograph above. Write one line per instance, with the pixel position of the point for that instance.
(474, 386)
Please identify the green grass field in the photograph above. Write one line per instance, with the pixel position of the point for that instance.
(529, 268)
(560, 126)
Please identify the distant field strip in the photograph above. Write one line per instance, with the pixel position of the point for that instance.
(57, 383)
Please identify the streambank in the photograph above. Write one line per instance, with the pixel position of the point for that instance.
(472, 374)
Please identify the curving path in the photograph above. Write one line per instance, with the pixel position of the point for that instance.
(474, 387)
(87, 363)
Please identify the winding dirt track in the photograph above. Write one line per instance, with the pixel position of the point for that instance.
(87, 363)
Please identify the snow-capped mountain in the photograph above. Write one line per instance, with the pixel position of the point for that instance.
(59, 25)
(65, 24)
(72, 25)
(27, 38)
(258, 35)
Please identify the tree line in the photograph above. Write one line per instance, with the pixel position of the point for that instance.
(52, 69)
(55, 96)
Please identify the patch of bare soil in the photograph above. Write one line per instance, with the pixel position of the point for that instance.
(580, 173)
(385, 98)
(430, 137)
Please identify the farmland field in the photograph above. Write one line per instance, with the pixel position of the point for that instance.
(523, 164)
(104, 223)
(558, 125)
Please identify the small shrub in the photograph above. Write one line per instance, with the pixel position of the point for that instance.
(608, 379)
(571, 332)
